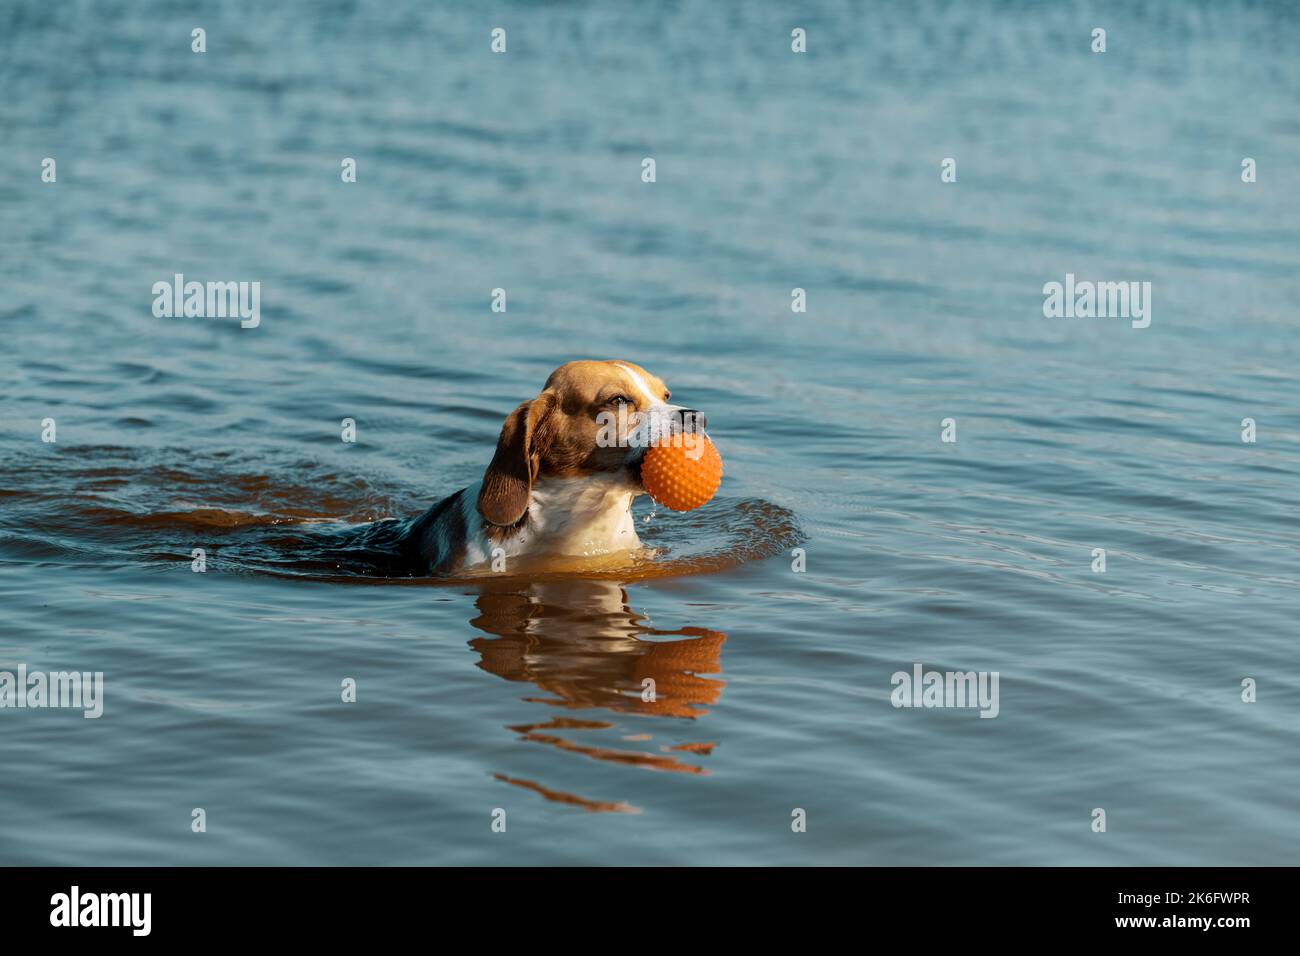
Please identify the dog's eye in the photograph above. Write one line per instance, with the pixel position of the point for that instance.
(619, 400)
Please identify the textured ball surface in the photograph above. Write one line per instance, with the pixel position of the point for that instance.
(682, 472)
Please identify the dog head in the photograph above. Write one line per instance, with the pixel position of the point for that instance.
(591, 419)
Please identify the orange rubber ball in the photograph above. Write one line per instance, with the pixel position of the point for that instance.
(682, 472)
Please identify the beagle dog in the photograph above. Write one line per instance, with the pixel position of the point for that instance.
(561, 483)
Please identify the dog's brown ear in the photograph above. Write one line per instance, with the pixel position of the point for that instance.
(508, 481)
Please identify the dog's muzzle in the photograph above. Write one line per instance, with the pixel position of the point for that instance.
(663, 422)
(693, 422)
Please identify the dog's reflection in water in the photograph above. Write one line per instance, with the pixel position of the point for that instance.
(581, 644)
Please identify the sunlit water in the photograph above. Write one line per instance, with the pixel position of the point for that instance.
(522, 171)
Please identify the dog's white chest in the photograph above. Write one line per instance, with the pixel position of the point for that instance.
(577, 517)
(581, 516)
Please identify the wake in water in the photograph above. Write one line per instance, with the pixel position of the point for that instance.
(114, 506)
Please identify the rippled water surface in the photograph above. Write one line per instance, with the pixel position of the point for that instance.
(522, 171)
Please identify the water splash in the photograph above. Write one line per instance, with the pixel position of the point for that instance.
(116, 507)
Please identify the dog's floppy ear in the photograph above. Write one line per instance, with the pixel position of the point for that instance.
(508, 481)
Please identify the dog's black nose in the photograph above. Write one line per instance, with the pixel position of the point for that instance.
(693, 422)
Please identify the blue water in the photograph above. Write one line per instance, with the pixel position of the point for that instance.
(1119, 690)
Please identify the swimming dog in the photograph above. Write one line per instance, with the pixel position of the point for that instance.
(561, 482)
